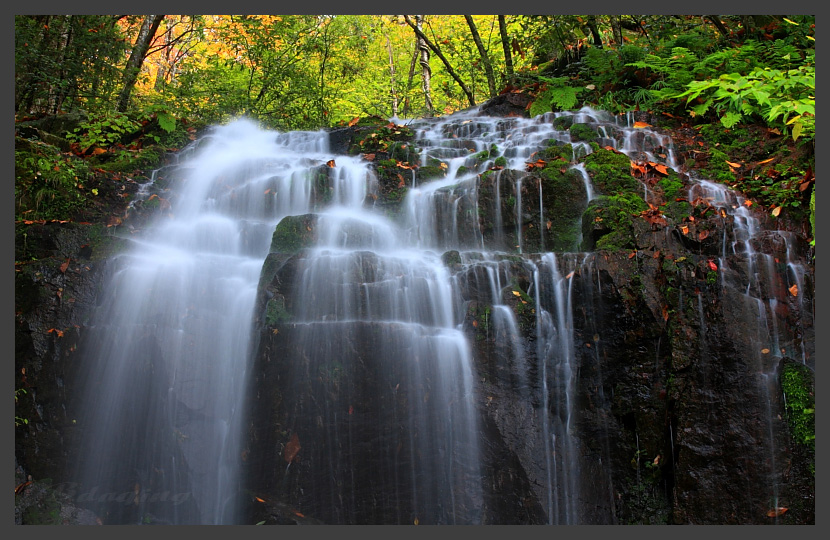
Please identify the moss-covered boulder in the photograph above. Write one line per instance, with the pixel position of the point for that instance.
(583, 132)
(609, 222)
(610, 172)
(294, 233)
(565, 198)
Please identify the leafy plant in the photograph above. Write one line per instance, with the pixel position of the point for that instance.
(103, 131)
(556, 94)
(48, 185)
(782, 98)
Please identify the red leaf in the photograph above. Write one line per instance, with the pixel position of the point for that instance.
(354, 121)
(713, 266)
(64, 266)
(775, 512)
(292, 447)
(661, 169)
(369, 157)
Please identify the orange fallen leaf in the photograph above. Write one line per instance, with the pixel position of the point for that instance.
(354, 121)
(736, 165)
(64, 266)
(765, 161)
(549, 224)
(298, 514)
(747, 203)
(665, 313)
(684, 229)
(369, 157)
(764, 351)
(517, 293)
(330, 163)
(292, 447)
(775, 512)
(776, 211)
(260, 500)
(794, 290)
(661, 169)
(713, 266)
(569, 276)
(98, 151)
(632, 254)
(641, 125)
(702, 234)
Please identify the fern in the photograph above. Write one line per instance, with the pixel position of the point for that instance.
(556, 95)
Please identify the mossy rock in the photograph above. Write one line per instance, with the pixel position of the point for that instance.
(563, 122)
(610, 172)
(557, 150)
(275, 311)
(429, 171)
(583, 132)
(451, 258)
(565, 199)
(294, 233)
(608, 222)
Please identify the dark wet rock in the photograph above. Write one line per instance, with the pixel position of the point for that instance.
(509, 104)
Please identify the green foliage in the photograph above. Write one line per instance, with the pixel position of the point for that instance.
(799, 399)
(556, 94)
(610, 172)
(48, 185)
(783, 98)
(18, 421)
(103, 131)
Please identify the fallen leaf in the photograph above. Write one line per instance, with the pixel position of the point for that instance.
(64, 266)
(794, 290)
(369, 157)
(330, 163)
(298, 514)
(292, 447)
(267, 191)
(639, 125)
(765, 161)
(661, 169)
(517, 293)
(684, 229)
(764, 351)
(776, 211)
(632, 254)
(549, 224)
(775, 512)
(665, 313)
(569, 276)
(354, 121)
(713, 266)
(736, 165)
(747, 203)
(702, 234)
(260, 500)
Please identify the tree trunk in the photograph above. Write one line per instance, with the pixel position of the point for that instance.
(592, 26)
(718, 24)
(392, 92)
(508, 58)
(426, 72)
(616, 29)
(409, 80)
(488, 67)
(133, 68)
(437, 51)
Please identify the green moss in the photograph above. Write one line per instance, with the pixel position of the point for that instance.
(583, 132)
(610, 172)
(294, 233)
(557, 150)
(428, 172)
(798, 388)
(501, 161)
(608, 222)
(275, 312)
(718, 169)
(451, 258)
(564, 206)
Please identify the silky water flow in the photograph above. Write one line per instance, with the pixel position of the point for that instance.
(167, 376)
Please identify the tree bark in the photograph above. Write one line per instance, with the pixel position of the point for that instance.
(592, 26)
(437, 51)
(409, 80)
(488, 67)
(508, 57)
(139, 52)
(426, 72)
(392, 92)
(718, 24)
(616, 29)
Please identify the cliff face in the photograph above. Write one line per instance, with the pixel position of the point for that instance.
(625, 357)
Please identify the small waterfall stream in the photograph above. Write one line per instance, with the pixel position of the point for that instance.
(374, 338)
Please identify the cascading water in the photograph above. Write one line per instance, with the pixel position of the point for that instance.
(381, 338)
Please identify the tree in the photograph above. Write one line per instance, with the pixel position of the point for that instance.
(508, 58)
(443, 59)
(139, 52)
(488, 67)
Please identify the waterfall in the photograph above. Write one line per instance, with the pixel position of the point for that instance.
(279, 341)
